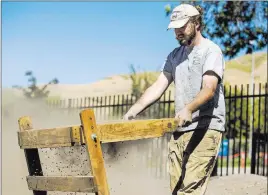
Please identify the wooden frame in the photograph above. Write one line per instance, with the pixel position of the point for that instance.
(89, 134)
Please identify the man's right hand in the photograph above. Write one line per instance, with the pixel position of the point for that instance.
(129, 116)
(151, 94)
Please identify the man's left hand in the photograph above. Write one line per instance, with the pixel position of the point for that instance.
(183, 117)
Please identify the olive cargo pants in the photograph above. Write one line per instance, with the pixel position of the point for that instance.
(191, 159)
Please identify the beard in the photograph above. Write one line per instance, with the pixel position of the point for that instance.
(188, 38)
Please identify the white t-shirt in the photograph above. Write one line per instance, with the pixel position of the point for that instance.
(187, 66)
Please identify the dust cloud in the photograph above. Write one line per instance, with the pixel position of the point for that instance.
(127, 168)
(133, 168)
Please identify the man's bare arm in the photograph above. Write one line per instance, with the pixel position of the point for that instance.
(209, 85)
(152, 93)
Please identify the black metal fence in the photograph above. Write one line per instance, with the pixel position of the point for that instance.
(244, 147)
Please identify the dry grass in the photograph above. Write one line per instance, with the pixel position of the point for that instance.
(237, 72)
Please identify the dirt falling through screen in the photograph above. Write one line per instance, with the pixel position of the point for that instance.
(133, 167)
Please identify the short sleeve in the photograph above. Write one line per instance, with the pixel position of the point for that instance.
(214, 62)
(167, 66)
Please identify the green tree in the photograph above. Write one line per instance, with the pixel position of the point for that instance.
(239, 111)
(33, 91)
(233, 24)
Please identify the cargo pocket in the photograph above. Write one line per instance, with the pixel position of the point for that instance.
(174, 161)
(209, 145)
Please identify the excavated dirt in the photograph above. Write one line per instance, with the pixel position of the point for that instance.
(127, 171)
(238, 185)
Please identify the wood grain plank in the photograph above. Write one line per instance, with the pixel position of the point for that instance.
(110, 132)
(31, 155)
(25, 123)
(49, 138)
(136, 129)
(62, 183)
(92, 139)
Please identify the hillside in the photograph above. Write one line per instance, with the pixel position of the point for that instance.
(238, 71)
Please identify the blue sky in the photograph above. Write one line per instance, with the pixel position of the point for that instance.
(82, 42)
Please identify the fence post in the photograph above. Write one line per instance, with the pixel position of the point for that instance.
(253, 154)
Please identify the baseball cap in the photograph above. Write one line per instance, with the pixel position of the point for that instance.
(181, 15)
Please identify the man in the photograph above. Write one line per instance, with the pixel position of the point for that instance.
(197, 68)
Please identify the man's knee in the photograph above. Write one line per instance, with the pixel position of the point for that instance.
(197, 173)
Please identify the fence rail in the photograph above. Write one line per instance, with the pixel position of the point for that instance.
(244, 147)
